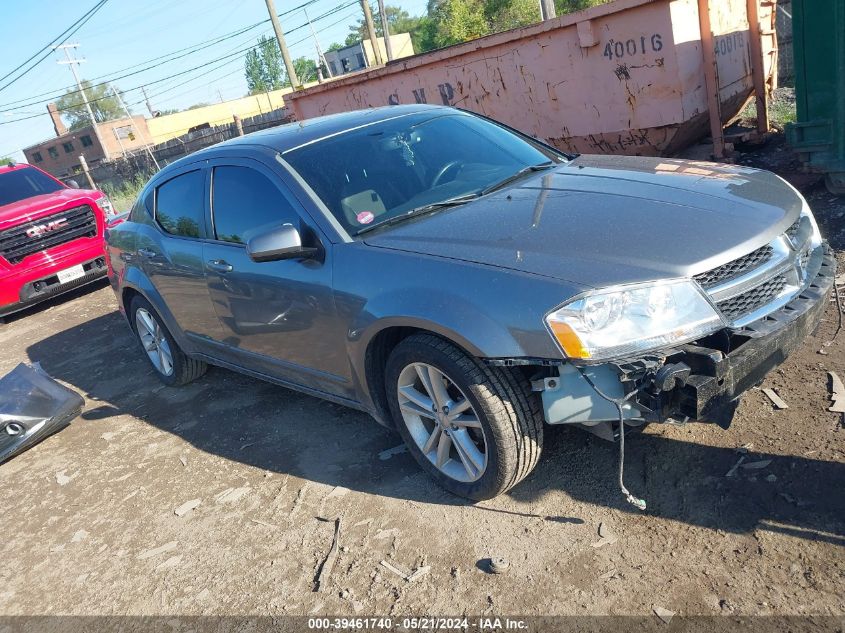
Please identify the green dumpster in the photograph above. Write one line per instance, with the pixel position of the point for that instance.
(818, 135)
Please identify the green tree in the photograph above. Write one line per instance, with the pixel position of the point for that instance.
(263, 67)
(460, 21)
(5, 161)
(421, 29)
(306, 70)
(568, 6)
(103, 103)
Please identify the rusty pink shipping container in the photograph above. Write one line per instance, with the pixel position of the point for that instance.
(627, 77)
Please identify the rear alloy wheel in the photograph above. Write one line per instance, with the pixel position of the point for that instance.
(477, 430)
(154, 342)
(171, 364)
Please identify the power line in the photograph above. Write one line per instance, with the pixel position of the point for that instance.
(107, 77)
(60, 39)
(337, 9)
(194, 48)
(229, 74)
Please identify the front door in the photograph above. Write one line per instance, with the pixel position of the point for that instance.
(277, 317)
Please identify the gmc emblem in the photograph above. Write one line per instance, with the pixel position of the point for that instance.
(40, 229)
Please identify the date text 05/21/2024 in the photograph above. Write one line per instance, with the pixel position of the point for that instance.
(419, 624)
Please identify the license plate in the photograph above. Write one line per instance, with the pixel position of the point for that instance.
(69, 274)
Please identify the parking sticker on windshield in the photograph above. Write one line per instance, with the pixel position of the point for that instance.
(365, 217)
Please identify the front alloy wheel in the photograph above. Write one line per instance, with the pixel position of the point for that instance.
(477, 430)
(442, 422)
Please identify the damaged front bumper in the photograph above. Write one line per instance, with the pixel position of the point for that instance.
(701, 381)
(33, 406)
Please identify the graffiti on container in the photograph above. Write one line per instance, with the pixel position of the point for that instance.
(729, 43)
(617, 49)
(445, 91)
(631, 138)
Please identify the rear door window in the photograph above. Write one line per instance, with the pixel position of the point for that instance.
(179, 205)
(244, 203)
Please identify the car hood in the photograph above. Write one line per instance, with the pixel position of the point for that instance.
(38, 206)
(604, 220)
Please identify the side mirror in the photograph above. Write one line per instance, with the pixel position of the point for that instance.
(283, 242)
(73, 184)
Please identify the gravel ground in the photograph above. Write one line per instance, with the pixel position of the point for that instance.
(90, 529)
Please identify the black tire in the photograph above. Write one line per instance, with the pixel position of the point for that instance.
(510, 414)
(185, 369)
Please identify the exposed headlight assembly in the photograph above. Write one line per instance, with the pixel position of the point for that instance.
(628, 320)
(816, 238)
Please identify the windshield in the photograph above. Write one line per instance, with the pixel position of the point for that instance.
(21, 184)
(378, 173)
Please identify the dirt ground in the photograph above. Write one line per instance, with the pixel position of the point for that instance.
(89, 527)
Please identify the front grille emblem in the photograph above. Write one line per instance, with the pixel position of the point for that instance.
(40, 229)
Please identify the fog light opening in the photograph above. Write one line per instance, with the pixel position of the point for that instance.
(14, 428)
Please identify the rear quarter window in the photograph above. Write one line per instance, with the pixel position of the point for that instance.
(142, 210)
(179, 208)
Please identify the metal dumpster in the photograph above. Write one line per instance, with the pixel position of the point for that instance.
(627, 77)
(818, 28)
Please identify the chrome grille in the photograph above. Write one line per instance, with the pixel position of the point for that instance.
(753, 299)
(750, 287)
(16, 243)
(735, 268)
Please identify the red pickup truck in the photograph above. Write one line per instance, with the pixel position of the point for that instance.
(51, 236)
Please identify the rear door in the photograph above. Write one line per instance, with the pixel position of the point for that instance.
(170, 251)
(277, 317)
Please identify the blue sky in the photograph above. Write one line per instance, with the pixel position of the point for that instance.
(126, 33)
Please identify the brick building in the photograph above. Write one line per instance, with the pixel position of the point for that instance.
(60, 155)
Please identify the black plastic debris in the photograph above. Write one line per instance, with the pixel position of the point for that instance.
(33, 406)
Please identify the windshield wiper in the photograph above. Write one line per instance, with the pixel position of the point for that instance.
(416, 211)
(517, 176)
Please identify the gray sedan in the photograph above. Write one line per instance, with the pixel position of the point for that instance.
(466, 284)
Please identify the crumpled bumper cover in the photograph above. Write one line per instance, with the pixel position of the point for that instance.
(717, 380)
(33, 406)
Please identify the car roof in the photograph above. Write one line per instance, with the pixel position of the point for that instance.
(13, 167)
(291, 135)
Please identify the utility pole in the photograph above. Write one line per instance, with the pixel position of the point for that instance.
(371, 31)
(87, 172)
(280, 37)
(547, 9)
(386, 29)
(147, 100)
(137, 129)
(72, 63)
(321, 59)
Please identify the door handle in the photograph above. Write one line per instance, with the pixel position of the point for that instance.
(151, 256)
(219, 266)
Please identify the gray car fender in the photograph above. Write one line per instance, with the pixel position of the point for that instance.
(136, 280)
